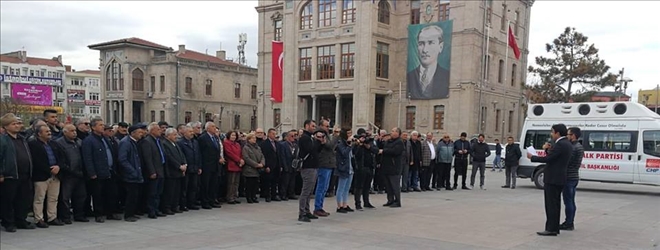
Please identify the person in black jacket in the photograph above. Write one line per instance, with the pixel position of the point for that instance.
(271, 175)
(462, 149)
(391, 168)
(130, 164)
(572, 178)
(72, 186)
(556, 162)
(365, 160)
(190, 148)
(309, 146)
(153, 161)
(15, 175)
(511, 159)
(211, 148)
(47, 159)
(99, 163)
(175, 170)
(480, 151)
(288, 176)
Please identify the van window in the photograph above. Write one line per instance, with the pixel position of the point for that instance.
(652, 143)
(618, 141)
(537, 138)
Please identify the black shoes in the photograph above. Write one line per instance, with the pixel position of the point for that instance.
(566, 227)
(311, 216)
(506, 186)
(395, 205)
(113, 217)
(56, 222)
(42, 224)
(387, 204)
(358, 207)
(131, 219)
(349, 209)
(10, 229)
(368, 205)
(303, 218)
(466, 188)
(100, 219)
(547, 233)
(193, 207)
(152, 216)
(276, 198)
(26, 225)
(67, 221)
(342, 210)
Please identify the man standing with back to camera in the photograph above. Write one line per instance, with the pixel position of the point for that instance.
(557, 158)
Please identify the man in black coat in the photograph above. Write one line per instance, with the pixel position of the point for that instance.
(46, 159)
(211, 148)
(270, 177)
(99, 163)
(189, 188)
(130, 165)
(391, 168)
(153, 161)
(175, 169)
(288, 175)
(556, 162)
(72, 187)
(309, 147)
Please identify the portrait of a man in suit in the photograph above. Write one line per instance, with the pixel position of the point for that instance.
(429, 80)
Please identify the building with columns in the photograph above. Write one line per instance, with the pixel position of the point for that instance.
(347, 60)
(143, 81)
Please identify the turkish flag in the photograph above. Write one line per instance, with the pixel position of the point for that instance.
(513, 44)
(276, 77)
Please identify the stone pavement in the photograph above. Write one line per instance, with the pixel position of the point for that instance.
(610, 216)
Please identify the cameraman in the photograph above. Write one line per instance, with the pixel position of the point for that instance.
(365, 154)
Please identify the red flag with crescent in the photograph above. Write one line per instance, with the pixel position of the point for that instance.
(276, 77)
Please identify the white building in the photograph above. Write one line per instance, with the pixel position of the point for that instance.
(29, 85)
(83, 90)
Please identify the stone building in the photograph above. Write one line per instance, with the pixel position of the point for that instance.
(145, 82)
(346, 60)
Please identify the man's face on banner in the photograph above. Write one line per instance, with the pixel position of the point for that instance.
(429, 45)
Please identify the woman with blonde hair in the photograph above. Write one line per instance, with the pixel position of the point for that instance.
(254, 163)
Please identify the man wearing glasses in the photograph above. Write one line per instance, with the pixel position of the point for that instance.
(82, 128)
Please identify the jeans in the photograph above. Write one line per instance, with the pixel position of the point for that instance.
(405, 178)
(497, 162)
(569, 200)
(413, 179)
(481, 166)
(308, 178)
(324, 175)
(343, 186)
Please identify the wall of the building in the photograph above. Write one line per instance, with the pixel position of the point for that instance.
(461, 108)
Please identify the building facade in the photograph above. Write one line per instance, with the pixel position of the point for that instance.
(347, 60)
(650, 98)
(145, 82)
(30, 85)
(83, 90)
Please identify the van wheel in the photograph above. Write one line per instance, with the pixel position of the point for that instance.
(538, 178)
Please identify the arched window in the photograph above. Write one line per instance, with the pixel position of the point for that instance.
(114, 77)
(138, 80)
(383, 12)
(306, 16)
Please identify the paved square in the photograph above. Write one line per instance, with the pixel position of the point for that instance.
(610, 216)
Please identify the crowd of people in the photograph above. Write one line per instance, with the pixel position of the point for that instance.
(69, 172)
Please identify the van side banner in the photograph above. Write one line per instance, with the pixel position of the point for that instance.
(584, 125)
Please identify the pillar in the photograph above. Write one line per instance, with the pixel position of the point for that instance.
(314, 107)
(337, 110)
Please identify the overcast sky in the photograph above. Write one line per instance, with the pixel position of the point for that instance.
(626, 32)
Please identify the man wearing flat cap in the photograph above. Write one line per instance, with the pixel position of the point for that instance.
(130, 166)
(122, 131)
(15, 175)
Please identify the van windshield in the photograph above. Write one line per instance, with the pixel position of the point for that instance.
(652, 142)
(537, 138)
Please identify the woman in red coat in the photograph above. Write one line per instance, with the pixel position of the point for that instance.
(234, 158)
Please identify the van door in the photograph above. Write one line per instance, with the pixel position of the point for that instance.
(609, 155)
(648, 166)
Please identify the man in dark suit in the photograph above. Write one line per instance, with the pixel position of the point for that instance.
(391, 167)
(46, 159)
(99, 163)
(556, 163)
(189, 188)
(288, 175)
(209, 145)
(153, 161)
(175, 169)
(270, 177)
(429, 80)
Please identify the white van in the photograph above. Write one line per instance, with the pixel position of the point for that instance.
(621, 140)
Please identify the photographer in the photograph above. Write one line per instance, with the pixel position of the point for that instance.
(365, 153)
(345, 169)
